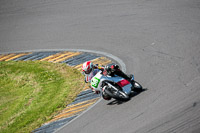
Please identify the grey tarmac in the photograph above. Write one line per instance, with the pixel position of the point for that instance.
(158, 40)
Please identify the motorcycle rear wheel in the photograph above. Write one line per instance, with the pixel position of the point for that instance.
(119, 95)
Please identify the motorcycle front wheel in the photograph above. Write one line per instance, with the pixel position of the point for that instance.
(137, 87)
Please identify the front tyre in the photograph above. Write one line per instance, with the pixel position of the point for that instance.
(137, 87)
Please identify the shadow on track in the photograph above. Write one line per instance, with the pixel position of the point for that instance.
(117, 102)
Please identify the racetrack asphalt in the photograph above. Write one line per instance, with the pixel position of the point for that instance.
(159, 41)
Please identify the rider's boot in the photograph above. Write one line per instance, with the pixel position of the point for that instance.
(131, 81)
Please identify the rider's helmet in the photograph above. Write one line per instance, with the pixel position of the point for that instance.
(87, 67)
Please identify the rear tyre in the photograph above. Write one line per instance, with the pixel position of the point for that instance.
(106, 96)
(118, 95)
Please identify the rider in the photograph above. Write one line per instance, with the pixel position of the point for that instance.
(90, 70)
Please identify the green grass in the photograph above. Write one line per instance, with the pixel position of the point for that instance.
(32, 92)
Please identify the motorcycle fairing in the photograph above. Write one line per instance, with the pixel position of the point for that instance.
(99, 78)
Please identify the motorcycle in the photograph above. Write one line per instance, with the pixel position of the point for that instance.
(114, 86)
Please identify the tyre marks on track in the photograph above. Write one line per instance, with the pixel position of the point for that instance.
(74, 59)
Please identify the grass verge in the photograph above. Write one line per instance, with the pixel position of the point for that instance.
(32, 92)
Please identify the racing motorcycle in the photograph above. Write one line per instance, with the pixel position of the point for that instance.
(114, 86)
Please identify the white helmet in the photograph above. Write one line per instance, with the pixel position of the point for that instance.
(87, 67)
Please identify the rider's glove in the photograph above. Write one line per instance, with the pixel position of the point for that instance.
(116, 66)
(108, 69)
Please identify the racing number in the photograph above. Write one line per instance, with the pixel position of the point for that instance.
(95, 82)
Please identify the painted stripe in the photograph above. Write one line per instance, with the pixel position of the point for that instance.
(24, 57)
(50, 57)
(59, 55)
(80, 59)
(84, 92)
(35, 56)
(67, 57)
(77, 107)
(51, 127)
(102, 61)
(73, 111)
(86, 95)
(1, 55)
(6, 57)
(39, 55)
(80, 103)
(68, 114)
(86, 87)
(17, 56)
(87, 98)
